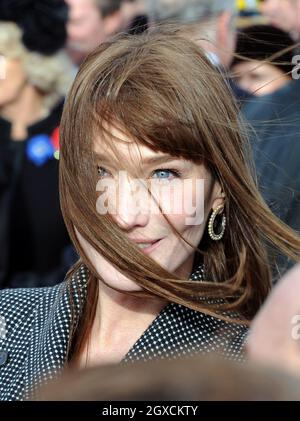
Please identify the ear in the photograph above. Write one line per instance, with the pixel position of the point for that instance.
(226, 36)
(218, 196)
(223, 28)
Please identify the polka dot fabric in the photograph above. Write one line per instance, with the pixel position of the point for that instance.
(38, 320)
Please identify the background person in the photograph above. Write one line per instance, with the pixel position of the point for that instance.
(210, 23)
(90, 23)
(33, 237)
(262, 65)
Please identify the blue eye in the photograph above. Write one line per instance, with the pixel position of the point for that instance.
(102, 171)
(166, 174)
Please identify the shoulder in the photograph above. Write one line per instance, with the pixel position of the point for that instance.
(20, 308)
(25, 297)
(206, 333)
(18, 305)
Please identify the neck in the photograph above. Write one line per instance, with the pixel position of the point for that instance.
(25, 110)
(119, 322)
(119, 312)
(120, 309)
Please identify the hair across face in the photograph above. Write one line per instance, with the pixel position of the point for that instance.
(259, 78)
(165, 94)
(161, 93)
(145, 192)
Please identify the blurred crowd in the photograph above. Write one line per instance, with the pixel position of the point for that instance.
(42, 45)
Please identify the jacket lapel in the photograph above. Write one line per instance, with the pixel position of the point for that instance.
(47, 353)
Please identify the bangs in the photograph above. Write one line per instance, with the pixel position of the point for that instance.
(160, 92)
(147, 106)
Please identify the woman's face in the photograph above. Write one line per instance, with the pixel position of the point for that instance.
(259, 78)
(185, 191)
(13, 81)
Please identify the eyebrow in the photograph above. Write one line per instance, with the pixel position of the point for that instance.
(147, 161)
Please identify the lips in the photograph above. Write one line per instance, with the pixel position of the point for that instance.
(147, 246)
(145, 241)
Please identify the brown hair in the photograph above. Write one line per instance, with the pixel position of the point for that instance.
(164, 92)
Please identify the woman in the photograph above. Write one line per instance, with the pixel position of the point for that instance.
(38, 74)
(146, 120)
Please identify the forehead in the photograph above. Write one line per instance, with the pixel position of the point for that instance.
(78, 7)
(121, 151)
(118, 142)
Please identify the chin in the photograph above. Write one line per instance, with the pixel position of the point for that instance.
(123, 284)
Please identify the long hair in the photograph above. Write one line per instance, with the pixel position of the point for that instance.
(163, 91)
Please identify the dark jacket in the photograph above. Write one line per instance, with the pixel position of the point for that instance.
(275, 119)
(33, 237)
(36, 329)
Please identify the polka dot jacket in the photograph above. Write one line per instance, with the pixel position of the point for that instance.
(35, 326)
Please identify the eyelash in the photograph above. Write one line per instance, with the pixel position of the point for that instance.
(174, 172)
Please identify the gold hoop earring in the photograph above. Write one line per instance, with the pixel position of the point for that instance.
(216, 236)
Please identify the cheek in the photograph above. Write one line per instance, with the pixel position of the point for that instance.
(191, 221)
(100, 264)
(187, 230)
(111, 276)
(184, 202)
(105, 269)
(11, 85)
(8, 91)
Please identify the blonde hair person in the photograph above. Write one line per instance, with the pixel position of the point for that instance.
(49, 75)
(37, 76)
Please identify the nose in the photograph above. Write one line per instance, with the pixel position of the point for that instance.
(132, 204)
(247, 84)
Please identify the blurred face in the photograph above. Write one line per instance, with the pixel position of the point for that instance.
(13, 81)
(259, 79)
(275, 331)
(283, 14)
(85, 28)
(138, 214)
